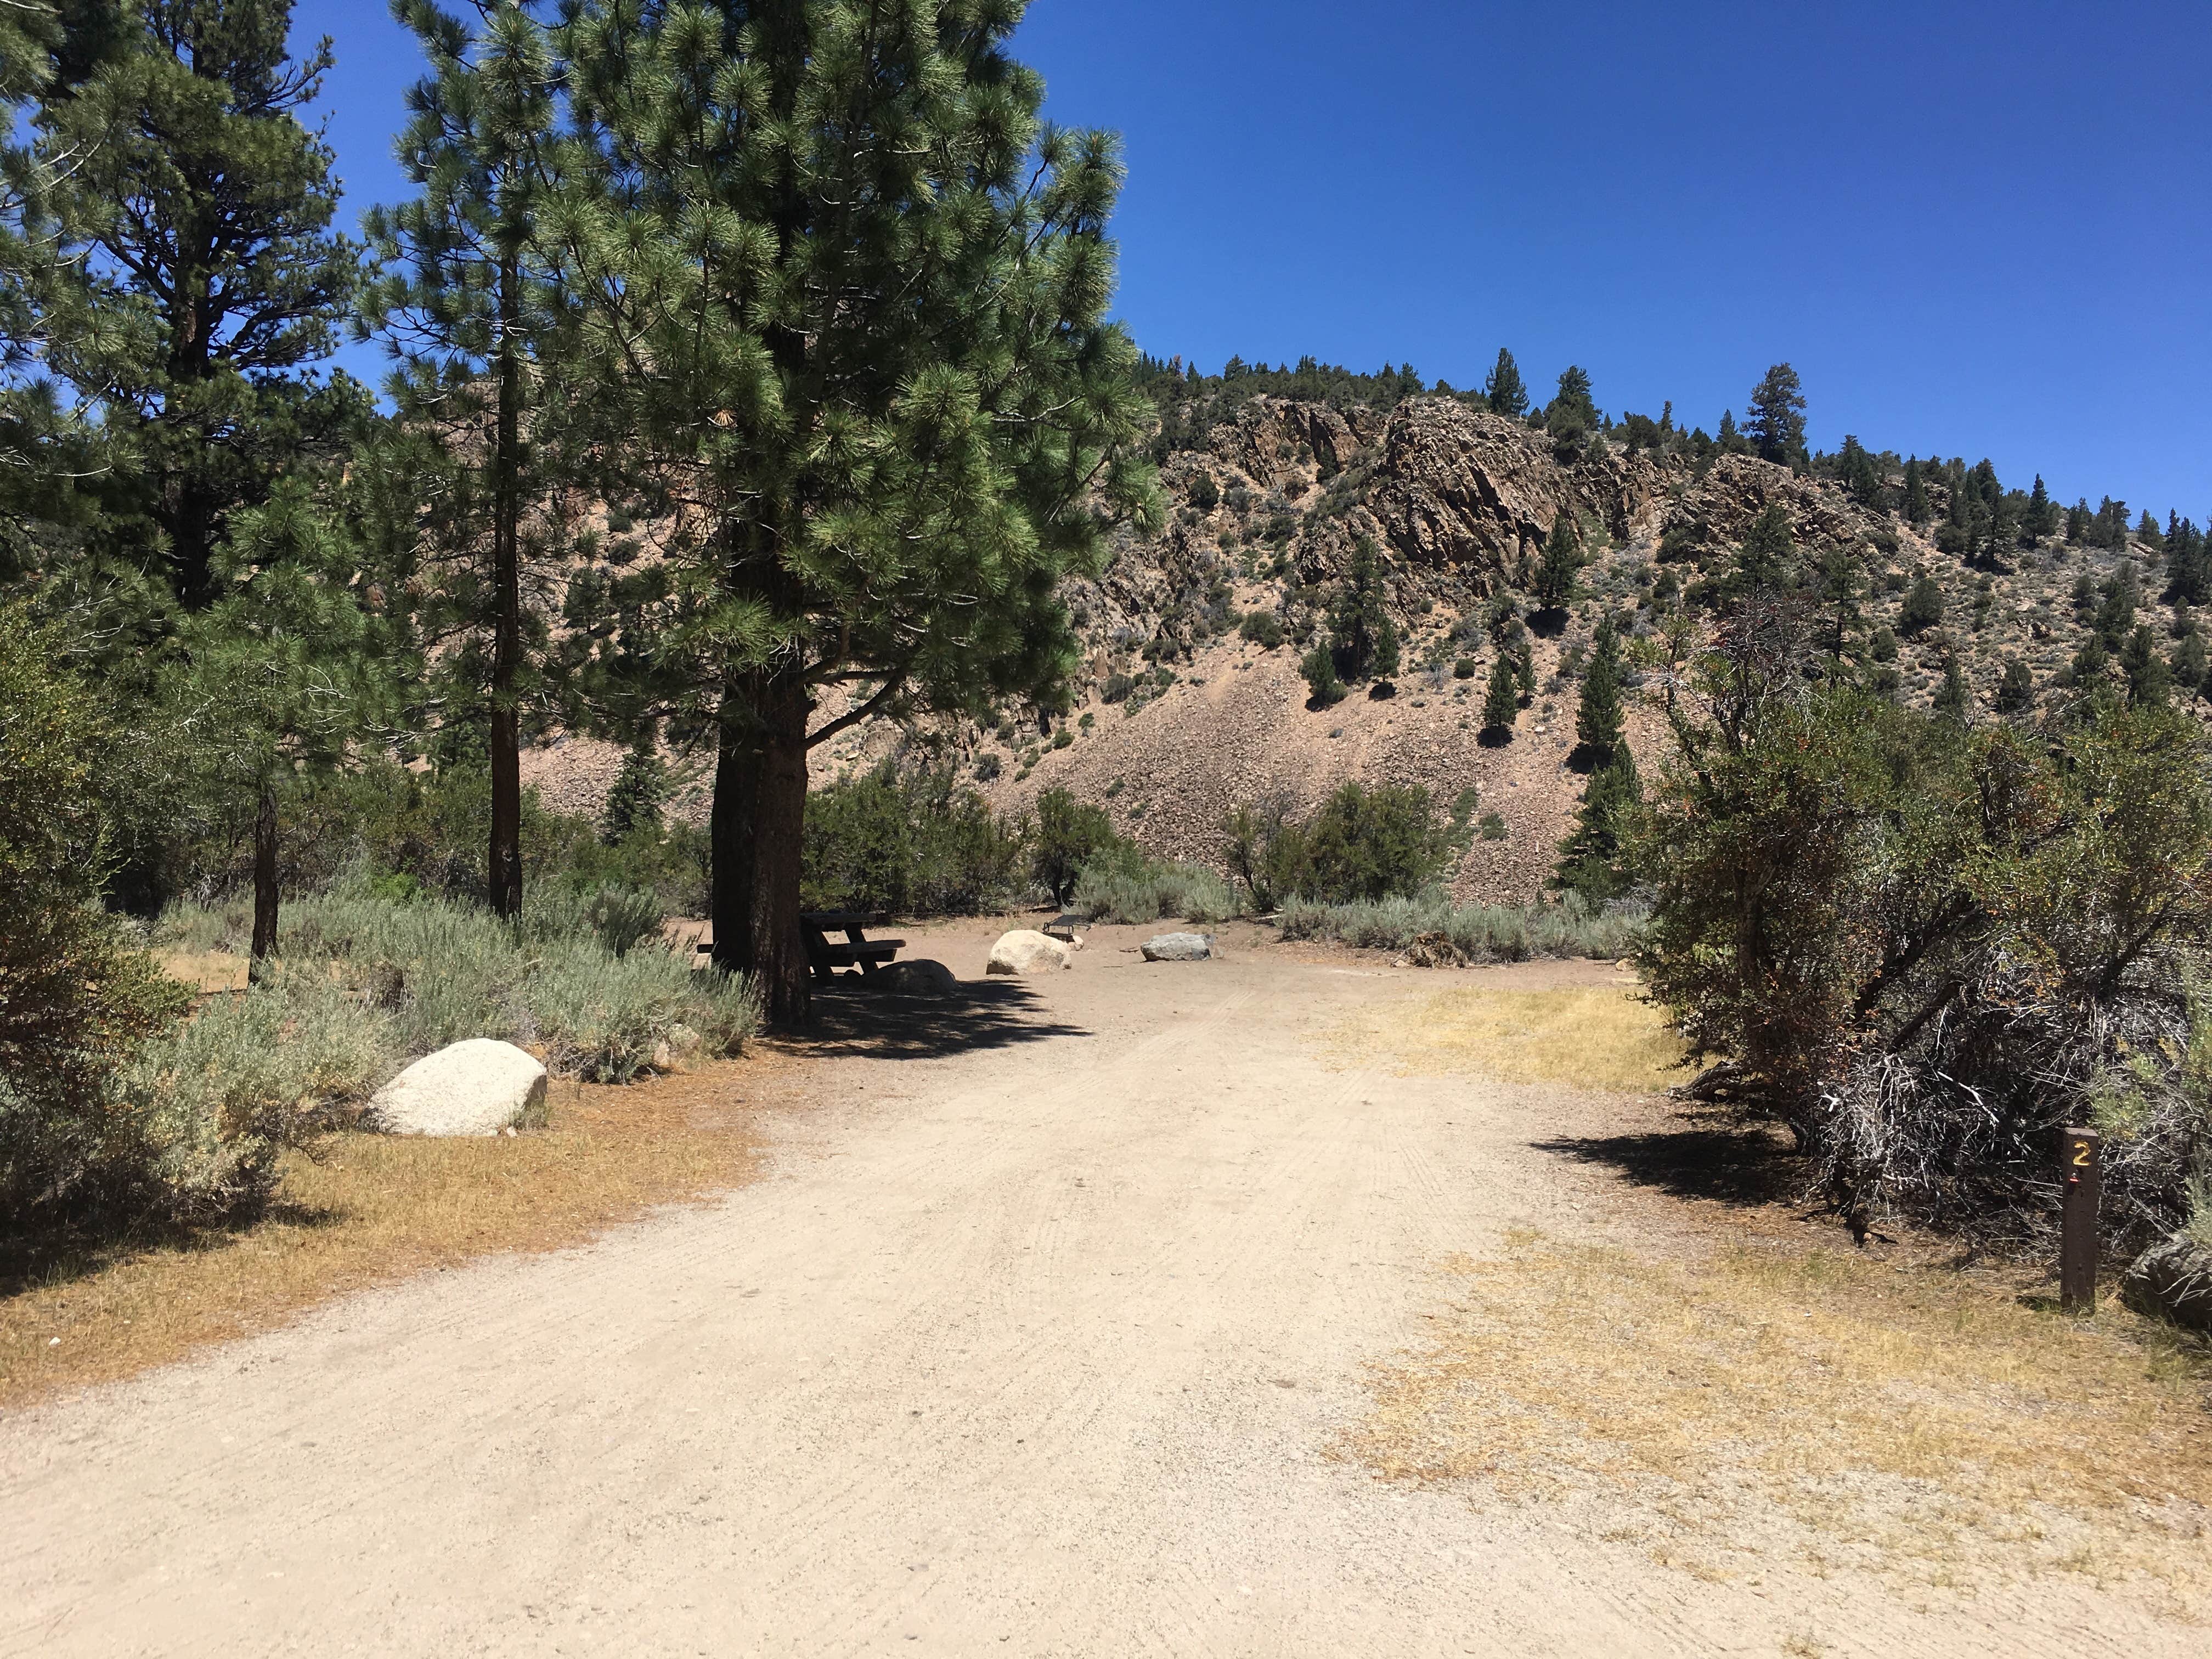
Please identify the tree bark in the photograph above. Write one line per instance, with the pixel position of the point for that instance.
(759, 816)
(505, 870)
(264, 880)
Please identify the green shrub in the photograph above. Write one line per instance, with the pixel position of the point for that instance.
(436, 972)
(1319, 667)
(1069, 834)
(76, 1000)
(1481, 933)
(914, 845)
(1363, 842)
(1121, 885)
(1263, 628)
(1926, 947)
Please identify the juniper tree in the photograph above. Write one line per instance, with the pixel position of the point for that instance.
(1562, 562)
(2150, 680)
(1598, 717)
(1572, 416)
(2016, 689)
(1504, 389)
(1363, 643)
(276, 677)
(1776, 425)
(1951, 702)
(1917, 510)
(843, 295)
(1764, 560)
(465, 304)
(1501, 701)
(1591, 863)
(203, 279)
(1922, 608)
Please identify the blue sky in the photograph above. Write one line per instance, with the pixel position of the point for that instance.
(1973, 230)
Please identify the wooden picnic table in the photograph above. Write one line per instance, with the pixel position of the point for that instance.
(825, 956)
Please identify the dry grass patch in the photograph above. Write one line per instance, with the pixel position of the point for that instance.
(1602, 1037)
(374, 1207)
(1914, 1421)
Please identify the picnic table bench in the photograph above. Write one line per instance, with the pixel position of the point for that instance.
(825, 955)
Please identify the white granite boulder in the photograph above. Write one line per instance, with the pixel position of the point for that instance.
(476, 1087)
(1178, 947)
(1026, 951)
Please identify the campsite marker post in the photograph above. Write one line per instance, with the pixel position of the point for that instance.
(2083, 1177)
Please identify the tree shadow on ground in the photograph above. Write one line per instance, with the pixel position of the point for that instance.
(61, 1253)
(1728, 1165)
(851, 1020)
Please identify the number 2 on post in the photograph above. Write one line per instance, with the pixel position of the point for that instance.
(2081, 1154)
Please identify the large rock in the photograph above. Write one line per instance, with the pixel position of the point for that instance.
(2173, 1280)
(920, 978)
(1178, 947)
(1026, 951)
(476, 1087)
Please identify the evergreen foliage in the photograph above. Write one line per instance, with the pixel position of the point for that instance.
(1776, 426)
(1572, 416)
(883, 281)
(1592, 862)
(1599, 717)
(1916, 506)
(1504, 390)
(638, 798)
(1562, 562)
(2016, 690)
(197, 278)
(464, 306)
(1922, 608)
(1363, 641)
(1501, 701)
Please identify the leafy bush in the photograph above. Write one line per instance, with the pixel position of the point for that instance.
(76, 1000)
(915, 845)
(1068, 835)
(1117, 688)
(1263, 627)
(1927, 948)
(1121, 885)
(435, 972)
(1480, 933)
(1363, 842)
(1319, 666)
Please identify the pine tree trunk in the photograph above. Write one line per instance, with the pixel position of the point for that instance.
(264, 880)
(506, 860)
(760, 816)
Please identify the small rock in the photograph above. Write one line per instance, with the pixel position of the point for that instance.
(1025, 951)
(475, 1087)
(2174, 1281)
(1433, 951)
(920, 978)
(1178, 947)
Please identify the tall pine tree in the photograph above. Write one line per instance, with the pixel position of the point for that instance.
(1507, 395)
(203, 281)
(845, 297)
(465, 304)
(1598, 717)
(1776, 426)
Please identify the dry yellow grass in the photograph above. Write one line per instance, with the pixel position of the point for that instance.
(1600, 1037)
(1910, 1419)
(374, 1208)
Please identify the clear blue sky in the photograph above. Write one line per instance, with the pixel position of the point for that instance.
(1974, 229)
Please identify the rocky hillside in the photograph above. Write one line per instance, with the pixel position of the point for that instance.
(1179, 715)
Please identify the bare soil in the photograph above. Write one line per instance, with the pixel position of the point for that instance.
(1083, 1317)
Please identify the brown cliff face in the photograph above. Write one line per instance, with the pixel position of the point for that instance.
(1175, 717)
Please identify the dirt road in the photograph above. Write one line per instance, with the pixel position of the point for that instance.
(1036, 1341)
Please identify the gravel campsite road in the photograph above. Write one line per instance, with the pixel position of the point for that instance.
(1037, 1338)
